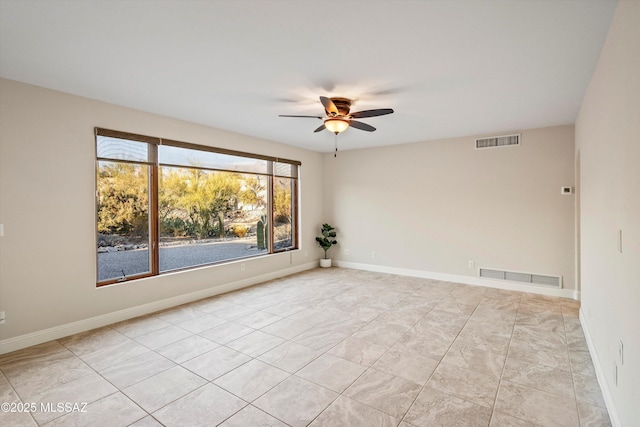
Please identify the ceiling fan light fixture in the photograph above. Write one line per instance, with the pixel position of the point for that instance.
(336, 124)
(339, 118)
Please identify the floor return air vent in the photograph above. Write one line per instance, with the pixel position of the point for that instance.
(512, 276)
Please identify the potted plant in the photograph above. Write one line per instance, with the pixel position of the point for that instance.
(325, 242)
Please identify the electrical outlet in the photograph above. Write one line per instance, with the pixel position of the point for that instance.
(373, 254)
(242, 267)
(471, 263)
(566, 190)
(1, 230)
(306, 253)
(3, 318)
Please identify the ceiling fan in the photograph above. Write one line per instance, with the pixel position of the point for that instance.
(338, 119)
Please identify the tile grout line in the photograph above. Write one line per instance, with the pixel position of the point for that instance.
(573, 378)
(367, 367)
(506, 357)
(121, 391)
(75, 355)
(422, 387)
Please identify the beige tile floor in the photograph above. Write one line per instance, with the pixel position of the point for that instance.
(332, 347)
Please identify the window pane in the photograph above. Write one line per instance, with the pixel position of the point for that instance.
(122, 149)
(283, 213)
(209, 216)
(123, 220)
(169, 155)
(285, 169)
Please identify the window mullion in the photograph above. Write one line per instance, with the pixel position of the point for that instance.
(154, 253)
(294, 214)
(271, 205)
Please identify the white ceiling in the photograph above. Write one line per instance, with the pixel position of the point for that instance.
(448, 68)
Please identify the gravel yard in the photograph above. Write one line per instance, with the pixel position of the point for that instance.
(111, 264)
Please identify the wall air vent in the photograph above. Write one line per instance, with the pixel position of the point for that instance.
(498, 141)
(511, 276)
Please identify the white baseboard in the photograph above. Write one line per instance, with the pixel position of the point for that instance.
(602, 379)
(467, 280)
(16, 343)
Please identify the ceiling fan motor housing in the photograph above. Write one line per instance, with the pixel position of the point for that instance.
(342, 104)
(338, 117)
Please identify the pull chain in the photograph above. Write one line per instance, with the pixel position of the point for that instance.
(335, 154)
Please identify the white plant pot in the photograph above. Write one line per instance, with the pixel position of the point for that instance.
(325, 263)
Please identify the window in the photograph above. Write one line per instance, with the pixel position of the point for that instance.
(166, 205)
(284, 210)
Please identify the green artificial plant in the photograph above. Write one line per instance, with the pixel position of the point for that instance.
(328, 238)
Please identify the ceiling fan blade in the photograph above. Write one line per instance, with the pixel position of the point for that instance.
(371, 113)
(320, 128)
(310, 117)
(329, 105)
(361, 126)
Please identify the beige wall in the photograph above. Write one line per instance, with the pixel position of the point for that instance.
(433, 206)
(608, 147)
(47, 256)
(429, 206)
